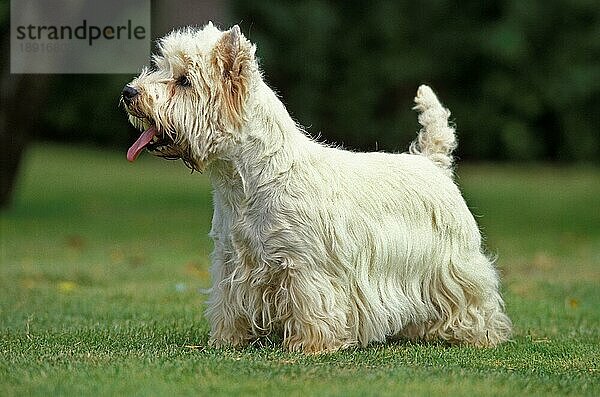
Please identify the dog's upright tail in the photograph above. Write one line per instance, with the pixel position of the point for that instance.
(436, 139)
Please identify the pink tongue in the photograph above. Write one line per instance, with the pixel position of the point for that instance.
(141, 143)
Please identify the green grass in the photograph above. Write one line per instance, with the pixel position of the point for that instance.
(102, 263)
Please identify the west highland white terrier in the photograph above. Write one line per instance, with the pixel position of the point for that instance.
(326, 247)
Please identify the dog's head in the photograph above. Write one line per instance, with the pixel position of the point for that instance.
(190, 103)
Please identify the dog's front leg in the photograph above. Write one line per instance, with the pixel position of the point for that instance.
(229, 325)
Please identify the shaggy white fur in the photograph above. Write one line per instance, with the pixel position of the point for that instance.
(326, 247)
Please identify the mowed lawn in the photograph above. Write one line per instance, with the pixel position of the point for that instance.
(103, 264)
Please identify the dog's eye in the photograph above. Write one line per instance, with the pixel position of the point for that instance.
(183, 81)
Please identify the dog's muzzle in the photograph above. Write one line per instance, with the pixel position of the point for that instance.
(129, 93)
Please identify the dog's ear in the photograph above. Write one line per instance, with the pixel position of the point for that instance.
(234, 56)
(229, 51)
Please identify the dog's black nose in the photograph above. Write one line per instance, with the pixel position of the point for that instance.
(129, 93)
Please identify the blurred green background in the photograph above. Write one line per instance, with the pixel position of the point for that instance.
(522, 78)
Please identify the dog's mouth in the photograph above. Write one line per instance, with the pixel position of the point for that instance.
(151, 139)
(165, 144)
(142, 142)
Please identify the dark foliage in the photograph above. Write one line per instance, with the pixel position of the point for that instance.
(522, 78)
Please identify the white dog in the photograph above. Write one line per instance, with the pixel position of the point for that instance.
(326, 247)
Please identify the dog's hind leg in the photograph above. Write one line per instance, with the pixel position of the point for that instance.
(466, 307)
